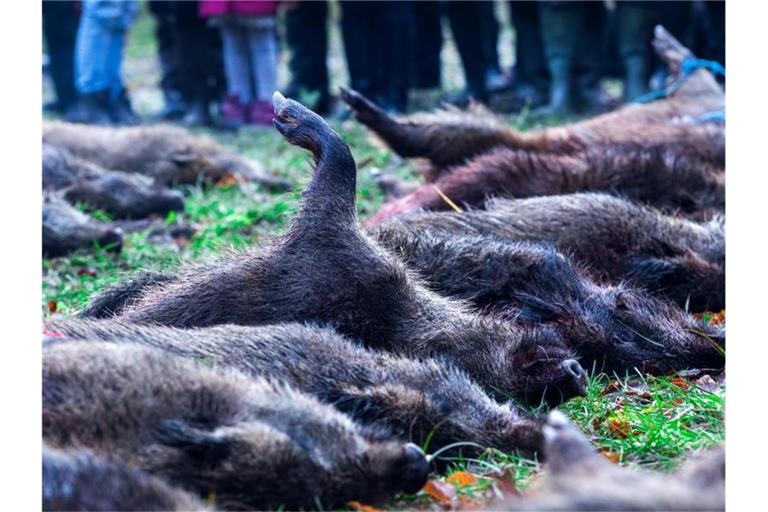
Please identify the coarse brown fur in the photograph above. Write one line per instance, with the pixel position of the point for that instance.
(420, 401)
(81, 480)
(659, 176)
(613, 238)
(577, 478)
(450, 137)
(253, 443)
(66, 230)
(123, 195)
(166, 153)
(324, 269)
(613, 327)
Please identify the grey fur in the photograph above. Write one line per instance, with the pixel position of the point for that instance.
(254, 443)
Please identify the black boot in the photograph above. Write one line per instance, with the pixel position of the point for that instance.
(91, 108)
(122, 111)
(562, 97)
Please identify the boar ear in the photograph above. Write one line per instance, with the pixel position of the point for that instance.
(197, 443)
(534, 309)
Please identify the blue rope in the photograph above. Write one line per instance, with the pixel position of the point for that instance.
(687, 67)
(717, 116)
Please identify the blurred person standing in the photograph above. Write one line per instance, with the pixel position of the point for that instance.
(99, 48)
(306, 30)
(249, 48)
(377, 37)
(60, 22)
(189, 51)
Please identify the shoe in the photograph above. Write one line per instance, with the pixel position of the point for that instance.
(122, 111)
(260, 113)
(233, 113)
(198, 114)
(91, 108)
(562, 97)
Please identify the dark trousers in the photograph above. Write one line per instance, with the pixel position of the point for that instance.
(377, 39)
(189, 51)
(530, 65)
(466, 19)
(306, 27)
(427, 44)
(60, 22)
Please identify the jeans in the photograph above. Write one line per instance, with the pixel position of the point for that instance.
(99, 48)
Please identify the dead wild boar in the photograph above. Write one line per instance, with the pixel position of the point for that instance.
(658, 176)
(578, 478)
(613, 327)
(123, 195)
(417, 400)
(614, 239)
(253, 443)
(450, 137)
(82, 480)
(66, 229)
(326, 270)
(168, 154)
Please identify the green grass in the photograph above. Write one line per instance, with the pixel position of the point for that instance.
(647, 421)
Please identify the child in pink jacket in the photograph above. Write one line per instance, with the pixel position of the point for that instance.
(249, 44)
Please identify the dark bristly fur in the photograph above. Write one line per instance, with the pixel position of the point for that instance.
(450, 137)
(253, 443)
(166, 153)
(123, 195)
(658, 176)
(417, 400)
(81, 480)
(613, 238)
(66, 229)
(324, 269)
(112, 301)
(613, 327)
(577, 478)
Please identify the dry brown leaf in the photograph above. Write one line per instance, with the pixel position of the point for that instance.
(228, 180)
(681, 383)
(611, 456)
(611, 387)
(52, 306)
(619, 427)
(443, 492)
(505, 482)
(356, 505)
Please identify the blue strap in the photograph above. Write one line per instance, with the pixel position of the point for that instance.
(687, 67)
(717, 116)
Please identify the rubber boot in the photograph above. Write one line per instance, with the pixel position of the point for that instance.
(562, 88)
(122, 112)
(91, 108)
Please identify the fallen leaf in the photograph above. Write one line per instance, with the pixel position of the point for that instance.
(619, 427)
(52, 306)
(461, 479)
(228, 180)
(443, 492)
(611, 456)
(681, 383)
(356, 505)
(613, 386)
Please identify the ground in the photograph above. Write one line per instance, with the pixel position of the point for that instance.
(653, 422)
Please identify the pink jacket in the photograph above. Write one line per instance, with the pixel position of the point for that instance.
(210, 8)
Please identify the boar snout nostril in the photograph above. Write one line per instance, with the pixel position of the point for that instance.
(573, 369)
(415, 469)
